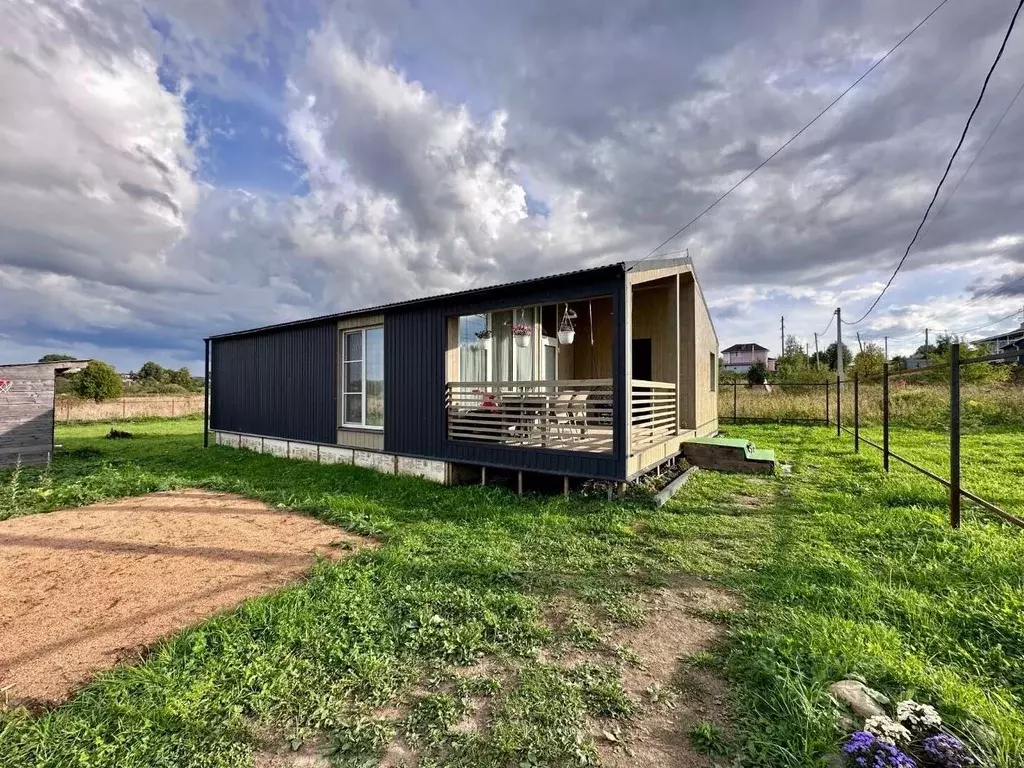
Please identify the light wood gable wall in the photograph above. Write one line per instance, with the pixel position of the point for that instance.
(684, 351)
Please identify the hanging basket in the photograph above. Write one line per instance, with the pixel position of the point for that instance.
(566, 337)
(522, 341)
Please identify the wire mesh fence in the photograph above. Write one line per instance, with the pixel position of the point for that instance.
(862, 408)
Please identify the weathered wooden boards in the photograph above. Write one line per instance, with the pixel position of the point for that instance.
(26, 412)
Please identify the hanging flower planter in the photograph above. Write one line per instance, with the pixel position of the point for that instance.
(484, 337)
(521, 333)
(566, 332)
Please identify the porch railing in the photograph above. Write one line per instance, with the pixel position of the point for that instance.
(653, 409)
(572, 415)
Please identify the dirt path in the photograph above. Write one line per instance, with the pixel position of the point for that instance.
(84, 589)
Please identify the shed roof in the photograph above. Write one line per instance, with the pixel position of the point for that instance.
(57, 366)
(620, 267)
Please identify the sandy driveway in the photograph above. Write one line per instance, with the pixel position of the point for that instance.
(83, 589)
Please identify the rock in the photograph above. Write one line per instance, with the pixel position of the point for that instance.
(865, 702)
(835, 761)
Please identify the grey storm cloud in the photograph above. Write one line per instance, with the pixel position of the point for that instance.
(422, 130)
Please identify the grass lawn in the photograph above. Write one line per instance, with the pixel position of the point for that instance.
(841, 569)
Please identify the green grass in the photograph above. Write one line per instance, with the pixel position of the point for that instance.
(843, 571)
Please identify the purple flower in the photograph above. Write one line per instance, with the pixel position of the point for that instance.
(947, 751)
(864, 750)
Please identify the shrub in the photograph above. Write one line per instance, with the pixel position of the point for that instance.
(98, 381)
(757, 373)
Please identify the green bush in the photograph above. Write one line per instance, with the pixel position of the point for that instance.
(98, 381)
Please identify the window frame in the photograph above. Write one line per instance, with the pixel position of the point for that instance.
(344, 422)
(714, 371)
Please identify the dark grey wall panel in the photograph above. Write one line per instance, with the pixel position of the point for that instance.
(281, 383)
(414, 359)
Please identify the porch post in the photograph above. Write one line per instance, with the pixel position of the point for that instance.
(679, 382)
(621, 365)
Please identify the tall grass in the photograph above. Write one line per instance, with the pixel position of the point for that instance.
(912, 405)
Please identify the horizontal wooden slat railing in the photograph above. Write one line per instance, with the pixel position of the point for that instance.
(653, 413)
(569, 415)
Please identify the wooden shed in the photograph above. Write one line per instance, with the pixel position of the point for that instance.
(27, 393)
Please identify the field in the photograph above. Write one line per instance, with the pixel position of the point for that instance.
(72, 409)
(531, 613)
(922, 406)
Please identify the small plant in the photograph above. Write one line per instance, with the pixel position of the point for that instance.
(919, 719)
(945, 751)
(119, 434)
(709, 739)
(484, 334)
(522, 329)
(887, 730)
(865, 750)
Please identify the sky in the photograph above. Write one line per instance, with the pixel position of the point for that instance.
(172, 169)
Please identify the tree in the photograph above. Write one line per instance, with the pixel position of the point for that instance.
(795, 365)
(869, 360)
(151, 371)
(757, 373)
(830, 356)
(56, 358)
(182, 377)
(98, 381)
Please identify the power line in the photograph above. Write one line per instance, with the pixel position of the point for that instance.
(792, 138)
(830, 320)
(986, 325)
(981, 149)
(949, 165)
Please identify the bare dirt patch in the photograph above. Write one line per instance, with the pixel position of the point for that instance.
(84, 589)
(672, 696)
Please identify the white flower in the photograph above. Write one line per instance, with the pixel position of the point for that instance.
(918, 717)
(888, 730)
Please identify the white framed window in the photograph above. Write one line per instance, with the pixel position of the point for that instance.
(362, 378)
(713, 363)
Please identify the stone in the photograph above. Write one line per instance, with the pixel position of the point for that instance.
(865, 702)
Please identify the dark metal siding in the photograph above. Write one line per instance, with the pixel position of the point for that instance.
(414, 359)
(279, 384)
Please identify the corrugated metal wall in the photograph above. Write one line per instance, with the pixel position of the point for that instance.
(414, 360)
(277, 383)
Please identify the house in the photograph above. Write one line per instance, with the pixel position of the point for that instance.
(598, 373)
(740, 357)
(26, 411)
(1006, 342)
(129, 378)
(916, 361)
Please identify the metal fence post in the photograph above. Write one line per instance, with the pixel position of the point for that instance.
(839, 406)
(885, 417)
(856, 412)
(954, 436)
(828, 397)
(735, 388)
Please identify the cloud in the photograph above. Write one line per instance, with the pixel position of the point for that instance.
(442, 148)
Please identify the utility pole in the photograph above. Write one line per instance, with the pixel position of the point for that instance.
(887, 349)
(807, 350)
(926, 340)
(782, 336)
(817, 358)
(860, 344)
(839, 342)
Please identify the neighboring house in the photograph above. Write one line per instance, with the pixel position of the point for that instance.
(740, 357)
(915, 361)
(489, 377)
(26, 411)
(1006, 342)
(128, 378)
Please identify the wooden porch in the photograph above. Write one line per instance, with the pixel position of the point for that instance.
(572, 415)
